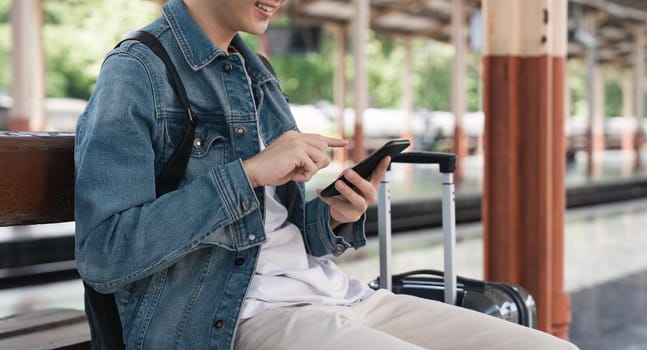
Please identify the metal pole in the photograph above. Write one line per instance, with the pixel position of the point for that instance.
(384, 230)
(449, 237)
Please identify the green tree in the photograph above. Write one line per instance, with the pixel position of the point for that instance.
(307, 78)
(385, 67)
(433, 64)
(576, 82)
(5, 45)
(613, 93)
(78, 33)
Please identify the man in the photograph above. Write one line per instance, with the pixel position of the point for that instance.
(234, 258)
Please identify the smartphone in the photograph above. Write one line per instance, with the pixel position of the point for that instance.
(367, 165)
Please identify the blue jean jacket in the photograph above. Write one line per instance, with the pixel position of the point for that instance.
(180, 264)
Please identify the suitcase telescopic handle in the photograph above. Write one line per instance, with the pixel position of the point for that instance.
(445, 161)
(447, 165)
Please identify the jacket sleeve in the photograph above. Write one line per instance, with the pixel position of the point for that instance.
(320, 238)
(123, 232)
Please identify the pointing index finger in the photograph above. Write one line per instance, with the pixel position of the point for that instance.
(335, 142)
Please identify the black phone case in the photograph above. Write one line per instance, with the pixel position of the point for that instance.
(367, 165)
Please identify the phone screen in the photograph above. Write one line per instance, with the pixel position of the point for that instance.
(367, 165)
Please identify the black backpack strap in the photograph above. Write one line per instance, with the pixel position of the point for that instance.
(173, 171)
(267, 64)
(269, 67)
(105, 325)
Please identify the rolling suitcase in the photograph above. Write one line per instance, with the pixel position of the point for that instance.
(508, 301)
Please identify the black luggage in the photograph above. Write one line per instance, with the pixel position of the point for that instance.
(508, 301)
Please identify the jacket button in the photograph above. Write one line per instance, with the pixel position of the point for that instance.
(339, 247)
(227, 67)
(197, 143)
(245, 204)
(239, 262)
(251, 237)
(240, 131)
(219, 324)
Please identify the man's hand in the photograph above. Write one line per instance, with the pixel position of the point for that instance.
(350, 204)
(293, 156)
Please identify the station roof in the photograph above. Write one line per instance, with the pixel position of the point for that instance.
(432, 19)
(423, 18)
(617, 21)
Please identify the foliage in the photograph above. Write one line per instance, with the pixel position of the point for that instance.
(5, 45)
(385, 62)
(76, 36)
(433, 66)
(307, 78)
(5, 6)
(78, 33)
(576, 81)
(613, 93)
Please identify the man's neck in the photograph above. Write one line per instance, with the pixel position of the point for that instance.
(212, 27)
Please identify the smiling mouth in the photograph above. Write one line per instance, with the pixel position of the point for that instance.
(265, 8)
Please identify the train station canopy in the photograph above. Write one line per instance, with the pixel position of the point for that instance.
(615, 21)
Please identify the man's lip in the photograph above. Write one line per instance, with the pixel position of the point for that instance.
(264, 7)
(273, 6)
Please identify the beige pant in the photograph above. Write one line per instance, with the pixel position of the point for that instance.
(386, 322)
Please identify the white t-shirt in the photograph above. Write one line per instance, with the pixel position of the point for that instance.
(287, 275)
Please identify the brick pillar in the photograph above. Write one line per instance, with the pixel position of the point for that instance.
(524, 196)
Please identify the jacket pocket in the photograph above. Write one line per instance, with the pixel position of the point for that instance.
(210, 144)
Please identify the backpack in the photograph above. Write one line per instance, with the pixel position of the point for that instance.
(101, 309)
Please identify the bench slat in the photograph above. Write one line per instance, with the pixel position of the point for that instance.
(36, 178)
(45, 329)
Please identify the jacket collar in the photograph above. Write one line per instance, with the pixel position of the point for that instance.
(197, 48)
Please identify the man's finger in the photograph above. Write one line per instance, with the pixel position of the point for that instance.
(307, 170)
(319, 157)
(335, 142)
(379, 171)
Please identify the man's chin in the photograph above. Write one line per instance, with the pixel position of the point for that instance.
(258, 29)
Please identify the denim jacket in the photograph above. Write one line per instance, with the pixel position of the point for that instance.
(180, 264)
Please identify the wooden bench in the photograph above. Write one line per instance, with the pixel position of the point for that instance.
(37, 187)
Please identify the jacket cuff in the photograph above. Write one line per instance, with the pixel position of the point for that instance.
(350, 235)
(241, 203)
